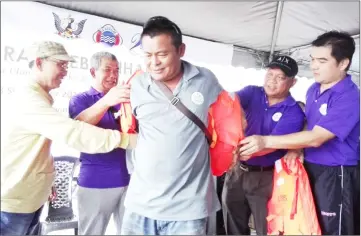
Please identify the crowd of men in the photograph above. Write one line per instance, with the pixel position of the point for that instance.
(171, 190)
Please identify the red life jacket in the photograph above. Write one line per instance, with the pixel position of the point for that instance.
(226, 123)
(291, 209)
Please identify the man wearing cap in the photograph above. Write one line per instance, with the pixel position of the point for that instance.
(332, 139)
(270, 110)
(29, 125)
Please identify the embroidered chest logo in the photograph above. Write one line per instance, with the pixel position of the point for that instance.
(323, 109)
(197, 98)
(277, 116)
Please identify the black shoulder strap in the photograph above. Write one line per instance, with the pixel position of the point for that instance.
(175, 101)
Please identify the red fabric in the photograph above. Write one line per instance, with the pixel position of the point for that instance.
(226, 124)
(291, 209)
(127, 120)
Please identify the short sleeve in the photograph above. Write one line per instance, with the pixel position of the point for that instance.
(245, 95)
(342, 115)
(136, 91)
(77, 104)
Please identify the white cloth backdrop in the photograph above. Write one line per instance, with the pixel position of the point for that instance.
(22, 23)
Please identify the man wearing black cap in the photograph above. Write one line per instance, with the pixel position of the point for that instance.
(331, 141)
(270, 110)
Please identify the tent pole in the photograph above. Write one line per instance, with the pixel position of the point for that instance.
(276, 28)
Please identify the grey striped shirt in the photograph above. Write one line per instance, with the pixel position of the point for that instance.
(171, 178)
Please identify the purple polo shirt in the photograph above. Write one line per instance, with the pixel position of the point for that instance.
(283, 118)
(337, 110)
(103, 170)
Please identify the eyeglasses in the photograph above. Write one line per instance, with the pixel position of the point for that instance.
(62, 64)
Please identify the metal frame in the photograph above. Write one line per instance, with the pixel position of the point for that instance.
(276, 28)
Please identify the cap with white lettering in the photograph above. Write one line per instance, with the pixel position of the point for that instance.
(287, 64)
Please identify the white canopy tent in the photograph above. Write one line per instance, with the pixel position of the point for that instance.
(257, 30)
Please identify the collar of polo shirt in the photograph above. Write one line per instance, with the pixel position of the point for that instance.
(344, 83)
(190, 71)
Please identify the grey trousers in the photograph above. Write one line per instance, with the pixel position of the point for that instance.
(245, 193)
(95, 207)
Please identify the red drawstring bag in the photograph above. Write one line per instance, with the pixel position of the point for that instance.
(226, 123)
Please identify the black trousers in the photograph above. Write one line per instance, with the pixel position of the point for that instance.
(336, 191)
(245, 193)
(221, 230)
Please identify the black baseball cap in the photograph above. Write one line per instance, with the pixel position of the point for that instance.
(287, 64)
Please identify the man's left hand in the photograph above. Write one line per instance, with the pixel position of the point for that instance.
(237, 158)
(251, 145)
(291, 156)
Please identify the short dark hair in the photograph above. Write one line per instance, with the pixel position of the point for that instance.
(342, 45)
(161, 25)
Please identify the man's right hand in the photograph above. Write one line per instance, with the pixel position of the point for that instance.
(117, 94)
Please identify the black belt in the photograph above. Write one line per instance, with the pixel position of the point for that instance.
(249, 168)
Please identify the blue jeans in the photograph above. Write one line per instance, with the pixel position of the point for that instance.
(134, 224)
(20, 223)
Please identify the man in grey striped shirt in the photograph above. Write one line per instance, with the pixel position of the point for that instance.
(171, 190)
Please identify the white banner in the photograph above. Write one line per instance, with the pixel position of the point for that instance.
(22, 23)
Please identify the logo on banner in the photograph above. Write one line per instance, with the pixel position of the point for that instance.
(108, 36)
(67, 27)
(135, 41)
(135, 44)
